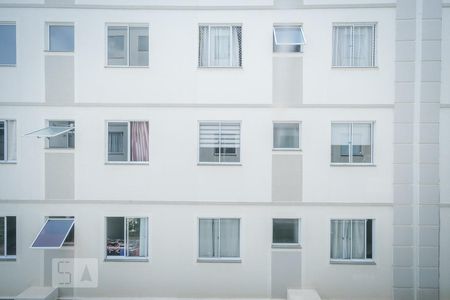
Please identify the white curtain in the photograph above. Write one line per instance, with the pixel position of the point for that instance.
(220, 46)
(12, 140)
(236, 43)
(358, 239)
(207, 236)
(361, 134)
(143, 237)
(340, 134)
(229, 238)
(139, 141)
(363, 46)
(342, 46)
(203, 52)
(341, 239)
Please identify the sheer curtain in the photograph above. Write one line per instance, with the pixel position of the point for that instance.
(206, 238)
(143, 237)
(220, 46)
(362, 141)
(203, 51)
(229, 238)
(139, 141)
(342, 46)
(12, 141)
(236, 43)
(358, 239)
(340, 142)
(363, 46)
(341, 243)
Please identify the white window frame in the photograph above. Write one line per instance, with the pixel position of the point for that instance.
(5, 235)
(220, 163)
(288, 25)
(128, 161)
(354, 260)
(288, 245)
(6, 160)
(128, 26)
(126, 257)
(47, 37)
(299, 136)
(10, 23)
(209, 25)
(350, 150)
(219, 259)
(374, 41)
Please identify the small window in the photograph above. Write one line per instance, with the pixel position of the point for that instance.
(285, 231)
(288, 38)
(220, 142)
(64, 140)
(7, 237)
(286, 136)
(56, 233)
(354, 45)
(352, 240)
(8, 141)
(128, 141)
(7, 44)
(128, 45)
(126, 237)
(61, 38)
(351, 143)
(220, 46)
(219, 238)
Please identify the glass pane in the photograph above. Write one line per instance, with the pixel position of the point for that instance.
(12, 140)
(229, 237)
(2, 140)
(117, 45)
(289, 35)
(286, 135)
(2, 236)
(115, 236)
(203, 47)
(237, 46)
(7, 44)
(220, 46)
(208, 238)
(369, 232)
(138, 46)
(362, 143)
(11, 236)
(358, 239)
(285, 231)
(61, 38)
(117, 141)
(209, 142)
(139, 141)
(340, 239)
(363, 46)
(137, 237)
(342, 46)
(230, 142)
(65, 140)
(340, 142)
(54, 233)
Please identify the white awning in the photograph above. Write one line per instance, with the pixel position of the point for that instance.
(288, 35)
(53, 234)
(51, 131)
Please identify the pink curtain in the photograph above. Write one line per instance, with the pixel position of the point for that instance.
(139, 141)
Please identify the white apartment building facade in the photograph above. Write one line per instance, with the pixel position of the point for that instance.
(227, 149)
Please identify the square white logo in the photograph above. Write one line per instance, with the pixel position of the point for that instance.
(75, 272)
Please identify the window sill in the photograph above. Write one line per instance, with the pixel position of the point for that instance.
(297, 150)
(352, 165)
(127, 259)
(8, 258)
(127, 163)
(8, 65)
(219, 260)
(59, 149)
(352, 262)
(355, 67)
(126, 67)
(219, 67)
(288, 54)
(68, 53)
(286, 246)
(8, 162)
(218, 164)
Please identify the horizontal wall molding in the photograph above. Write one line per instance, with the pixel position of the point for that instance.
(194, 105)
(194, 7)
(193, 203)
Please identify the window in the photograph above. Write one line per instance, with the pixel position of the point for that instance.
(354, 45)
(128, 45)
(220, 46)
(352, 239)
(220, 142)
(56, 233)
(63, 140)
(285, 231)
(288, 38)
(126, 237)
(286, 136)
(219, 238)
(7, 44)
(7, 141)
(351, 143)
(60, 38)
(128, 141)
(7, 237)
